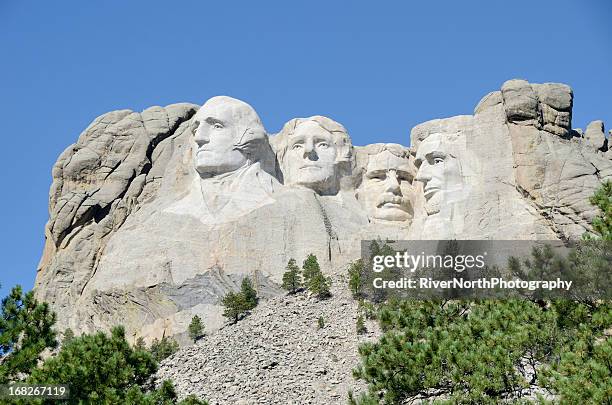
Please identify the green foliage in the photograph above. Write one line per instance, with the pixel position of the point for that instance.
(314, 279)
(249, 294)
(98, 368)
(292, 278)
(357, 277)
(140, 344)
(603, 199)
(481, 352)
(164, 395)
(237, 304)
(360, 325)
(320, 285)
(368, 309)
(160, 349)
(321, 322)
(582, 368)
(587, 265)
(68, 335)
(363, 399)
(377, 295)
(310, 268)
(104, 369)
(234, 305)
(26, 330)
(196, 328)
(192, 400)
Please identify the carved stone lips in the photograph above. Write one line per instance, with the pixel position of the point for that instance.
(391, 202)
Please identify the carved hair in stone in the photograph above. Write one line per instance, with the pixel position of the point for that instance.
(314, 152)
(385, 182)
(229, 135)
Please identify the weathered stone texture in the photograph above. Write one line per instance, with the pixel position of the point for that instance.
(154, 216)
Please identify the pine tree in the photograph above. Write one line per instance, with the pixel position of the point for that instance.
(249, 294)
(481, 352)
(105, 369)
(314, 280)
(292, 279)
(161, 349)
(310, 268)
(603, 199)
(196, 328)
(26, 330)
(140, 344)
(68, 336)
(321, 322)
(360, 325)
(234, 305)
(320, 285)
(356, 273)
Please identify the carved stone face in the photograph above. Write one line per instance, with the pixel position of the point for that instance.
(439, 171)
(386, 189)
(218, 126)
(311, 157)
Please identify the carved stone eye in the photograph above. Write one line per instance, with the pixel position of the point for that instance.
(297, 146)
(377, 176)
(216, 125)
(194, 126)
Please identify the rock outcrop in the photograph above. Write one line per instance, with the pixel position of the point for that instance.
(154, 216)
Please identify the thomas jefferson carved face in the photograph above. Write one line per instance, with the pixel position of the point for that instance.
(439, 170)
(220, 127)
(386, 190)
(312, 152)
(311, 156)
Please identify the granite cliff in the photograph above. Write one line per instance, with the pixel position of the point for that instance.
(154, 216)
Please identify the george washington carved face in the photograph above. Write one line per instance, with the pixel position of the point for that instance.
(227, 133)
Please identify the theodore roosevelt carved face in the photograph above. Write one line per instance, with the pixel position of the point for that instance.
(312, 153)
(386, 190)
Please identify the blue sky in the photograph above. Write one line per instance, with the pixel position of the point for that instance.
(377, 67)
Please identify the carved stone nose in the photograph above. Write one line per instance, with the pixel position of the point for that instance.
(311, 155)
(201, 139)
(393, 184)
(423, 174)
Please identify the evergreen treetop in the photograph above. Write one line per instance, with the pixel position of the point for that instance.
(310, 268)
(196, 328)
(234, 305)
(249, 293)
(292, 279)
(603, 199)
(26, 330)
(161, 349)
